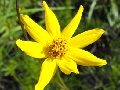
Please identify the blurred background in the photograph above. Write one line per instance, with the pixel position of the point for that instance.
(19, 71)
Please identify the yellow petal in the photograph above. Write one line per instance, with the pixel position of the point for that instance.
(72, 26)
(67, 66)
(86, 38)
(35, 31)
(52, 24)
(32, 49)
(48, 70)
(85, 58)
(62, 67)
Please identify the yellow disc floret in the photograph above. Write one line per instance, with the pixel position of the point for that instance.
(57, 48)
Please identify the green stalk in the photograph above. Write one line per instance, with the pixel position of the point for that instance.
(61, 80)
(22, 26)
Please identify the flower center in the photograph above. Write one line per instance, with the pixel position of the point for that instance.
(57, 48)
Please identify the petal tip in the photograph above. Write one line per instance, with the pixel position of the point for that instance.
(45, 4)
(103, 62)
(22, 15)
(100, 30)
(77, 72)
(23, 18)
(18, 41)
(81, 8)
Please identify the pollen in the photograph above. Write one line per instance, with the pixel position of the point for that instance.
(57, 48)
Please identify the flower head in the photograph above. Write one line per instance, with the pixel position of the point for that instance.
(59, 48)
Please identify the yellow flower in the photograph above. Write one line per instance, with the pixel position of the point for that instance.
(59, 48)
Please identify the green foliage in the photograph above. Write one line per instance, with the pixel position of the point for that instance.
(20, 72)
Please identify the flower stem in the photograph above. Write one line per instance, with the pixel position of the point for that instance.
(61, 80)
(59, 85)
(22, 26)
